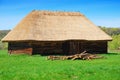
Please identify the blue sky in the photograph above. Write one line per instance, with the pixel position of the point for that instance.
(101, 12)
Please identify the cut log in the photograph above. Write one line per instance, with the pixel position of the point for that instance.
(83, 56)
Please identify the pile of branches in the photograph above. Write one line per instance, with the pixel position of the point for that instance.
(82, 56)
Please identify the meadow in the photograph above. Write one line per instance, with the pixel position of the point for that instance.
(36, 67)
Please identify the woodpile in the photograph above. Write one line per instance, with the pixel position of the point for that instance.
(82, 56)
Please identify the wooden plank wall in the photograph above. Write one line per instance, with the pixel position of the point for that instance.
(19, 47)
(43, 48)
(47, 48)
(90, 46)
(60, 47)
(94, 46)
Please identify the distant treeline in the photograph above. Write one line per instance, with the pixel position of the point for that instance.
(3, 33)
(111, 31)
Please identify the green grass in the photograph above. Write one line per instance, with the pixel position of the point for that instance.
(25, 67)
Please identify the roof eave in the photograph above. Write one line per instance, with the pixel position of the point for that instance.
(54, 40)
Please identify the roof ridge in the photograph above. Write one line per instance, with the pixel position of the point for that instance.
(57, 13)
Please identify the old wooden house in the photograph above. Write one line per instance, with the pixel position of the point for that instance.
(47, 32)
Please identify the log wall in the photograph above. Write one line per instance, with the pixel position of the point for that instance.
(76, 47)
(94, 46)
(43, 48)
(60, 47)
(19, 47)
(47, 48)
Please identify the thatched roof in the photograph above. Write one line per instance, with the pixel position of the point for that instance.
(55, 26)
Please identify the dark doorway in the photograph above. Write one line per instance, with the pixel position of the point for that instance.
(71, 47)
(66, 47)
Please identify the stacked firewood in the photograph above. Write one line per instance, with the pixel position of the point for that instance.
(82, 56)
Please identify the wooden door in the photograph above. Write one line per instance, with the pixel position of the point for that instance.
(74, 47)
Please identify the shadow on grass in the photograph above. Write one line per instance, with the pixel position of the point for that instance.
(113, 53)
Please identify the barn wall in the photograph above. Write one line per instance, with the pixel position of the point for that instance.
(76, 47)
(94, 46)
(47, 48)
(36, 47)
(19, 47)
(57, 47)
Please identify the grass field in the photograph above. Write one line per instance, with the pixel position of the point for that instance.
(36, 67)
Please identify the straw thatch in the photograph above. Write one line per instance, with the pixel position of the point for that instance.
(55, 26)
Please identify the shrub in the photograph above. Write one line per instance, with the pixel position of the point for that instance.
(115, 43)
